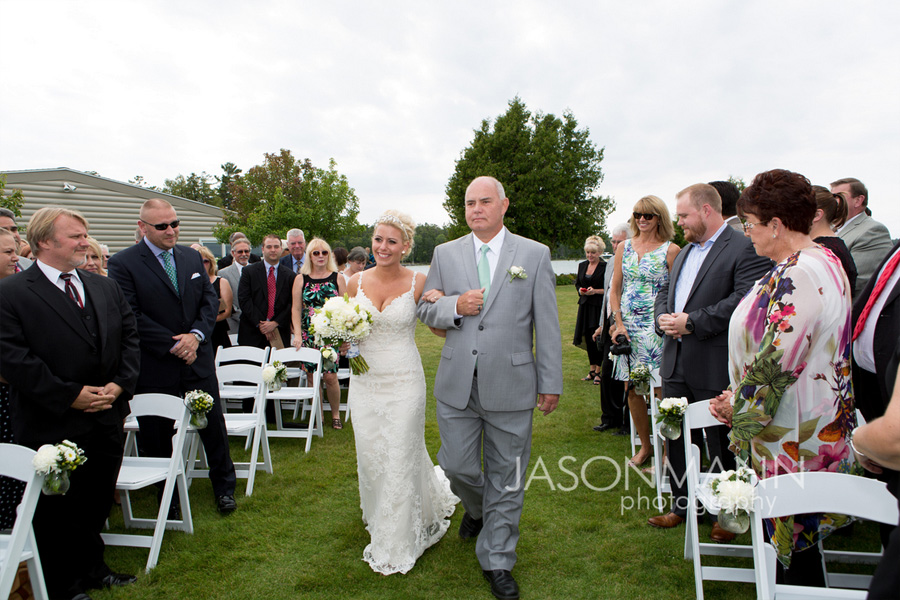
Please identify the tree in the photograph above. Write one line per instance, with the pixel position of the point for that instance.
(14, 200)
(229, 172)
(284, 193)
(549, 168)
(193, 187)
(141, 182)
(427, 237)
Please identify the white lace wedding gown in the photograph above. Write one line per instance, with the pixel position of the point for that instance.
(406, 500)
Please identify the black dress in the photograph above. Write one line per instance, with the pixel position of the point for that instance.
(839, 248)
(589, 309)
(220, 331)
(11, 490)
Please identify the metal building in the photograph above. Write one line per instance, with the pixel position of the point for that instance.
(111, 207)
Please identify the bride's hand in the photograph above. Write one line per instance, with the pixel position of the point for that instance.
(432, 296)
(438, 332)
(345, 347)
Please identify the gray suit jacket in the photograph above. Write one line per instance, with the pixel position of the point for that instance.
(501, 337)
(869, 242)
(727, 273)
(232, 275)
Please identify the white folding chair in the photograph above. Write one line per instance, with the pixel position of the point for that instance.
(302, 397)
(251, 425)
(800, 493)
(697, 416)
(19, 544)
(248, 355)
(344, 380)
(138, 472)
(660, 478)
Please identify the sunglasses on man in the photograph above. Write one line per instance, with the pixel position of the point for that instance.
(163, 226)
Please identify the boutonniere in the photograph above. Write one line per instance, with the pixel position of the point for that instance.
(516, 273)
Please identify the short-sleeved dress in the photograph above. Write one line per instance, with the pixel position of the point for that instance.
(641, 281)
(789, 364)
(315, 293)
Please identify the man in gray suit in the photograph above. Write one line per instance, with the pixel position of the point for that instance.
(867, 239)
(709, 277)
(240, 251)
(499, 295)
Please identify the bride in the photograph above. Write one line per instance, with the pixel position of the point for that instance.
(406, 500)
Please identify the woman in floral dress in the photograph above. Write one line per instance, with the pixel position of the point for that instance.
(317, 282)
(641, 268)
(790, 403)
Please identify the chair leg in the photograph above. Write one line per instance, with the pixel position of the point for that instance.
(36, 573)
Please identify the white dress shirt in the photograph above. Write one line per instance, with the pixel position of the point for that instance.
(53, 274)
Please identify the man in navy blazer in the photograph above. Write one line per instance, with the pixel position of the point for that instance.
(297, 246)
(692, 310)
(257, 327)
(71, 356)
(176, 307)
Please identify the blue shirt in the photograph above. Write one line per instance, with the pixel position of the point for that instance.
(691, 267)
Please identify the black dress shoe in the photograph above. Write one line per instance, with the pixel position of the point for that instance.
(226, 504)
(621, 432)
(117, 580)
(601, 427)
(470, 527)
(503, 586)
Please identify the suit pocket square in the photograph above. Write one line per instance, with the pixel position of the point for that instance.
(195, 275)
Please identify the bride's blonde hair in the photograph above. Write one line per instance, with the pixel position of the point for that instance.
(401, 221)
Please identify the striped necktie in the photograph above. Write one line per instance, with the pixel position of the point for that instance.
(170, 269)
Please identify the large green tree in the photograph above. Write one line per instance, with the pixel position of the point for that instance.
(550, 170)
(284, 193)
(193, 187)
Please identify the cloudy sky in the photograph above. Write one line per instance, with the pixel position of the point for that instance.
(676, 92)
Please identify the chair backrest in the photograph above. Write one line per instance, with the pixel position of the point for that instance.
(157, 405)
(307, 355)
(798, 493)
(242, 374)
(15, 462)
(242, 355)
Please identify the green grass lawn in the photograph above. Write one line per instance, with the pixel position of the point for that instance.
(301, 535)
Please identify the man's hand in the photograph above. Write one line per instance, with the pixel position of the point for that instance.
(547, 403)
(674, 324)
(94, 399)
(470, 303)
(186, 344)
(267, 327)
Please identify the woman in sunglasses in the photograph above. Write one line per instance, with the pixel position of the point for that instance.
(641, 268)
(317, 282)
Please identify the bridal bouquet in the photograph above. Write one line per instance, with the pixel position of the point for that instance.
(640, 377)
(274, 375)
(735, 494)
(56, 461)
(671, 413)
(341, 320)
(199, 403)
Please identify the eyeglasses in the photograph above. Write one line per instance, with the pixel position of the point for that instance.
(163, 226)
(748, 226)
(646, 216)
(240, 252)
(319, 252)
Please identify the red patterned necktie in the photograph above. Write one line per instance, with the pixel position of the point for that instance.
(71, 290)
(889, 269)
(270, 283)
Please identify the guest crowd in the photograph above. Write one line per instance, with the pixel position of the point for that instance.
(783, 307)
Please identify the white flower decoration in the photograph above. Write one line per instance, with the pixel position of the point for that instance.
(517, 273)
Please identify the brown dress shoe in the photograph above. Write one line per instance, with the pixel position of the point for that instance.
(666, 521)
(721, 536)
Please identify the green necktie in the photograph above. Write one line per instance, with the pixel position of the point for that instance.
(484, 270)
(170, 269)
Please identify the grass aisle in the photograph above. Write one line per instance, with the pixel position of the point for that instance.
(301, 535)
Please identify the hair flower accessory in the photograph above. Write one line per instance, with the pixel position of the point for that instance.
(517, 273)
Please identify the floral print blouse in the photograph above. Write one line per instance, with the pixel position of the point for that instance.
(789, 363)
(315, 293)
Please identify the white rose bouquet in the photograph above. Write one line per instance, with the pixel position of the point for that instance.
(735, 493)
(341, 320)
(274, 374)
(55, 461)
(671, 414)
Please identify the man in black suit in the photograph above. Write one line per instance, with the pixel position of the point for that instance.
(709, 277)
(266, 317)
(69, 349)
(297, 247)
(176, 307)
(875, 337)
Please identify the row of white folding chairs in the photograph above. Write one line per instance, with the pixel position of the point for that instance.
(783, 495)
(660, 473)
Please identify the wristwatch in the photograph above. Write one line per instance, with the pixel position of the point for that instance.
(689, 325)
(198, 336)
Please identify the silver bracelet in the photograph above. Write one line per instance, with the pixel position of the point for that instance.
(850, 443)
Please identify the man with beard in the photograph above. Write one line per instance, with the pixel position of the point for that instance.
(709, 277)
